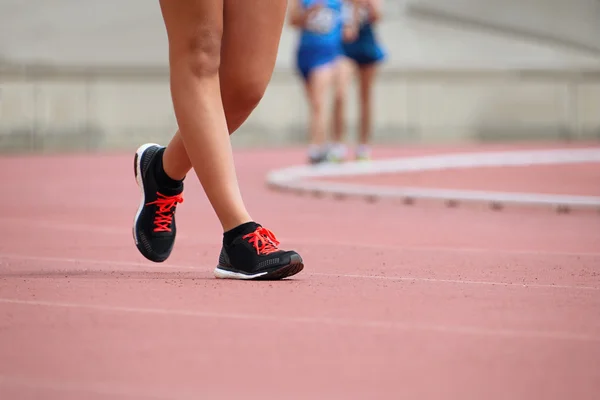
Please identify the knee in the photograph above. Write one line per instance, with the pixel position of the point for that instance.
(339, 96)
(317, 107)
(242, 95)
(202, 51)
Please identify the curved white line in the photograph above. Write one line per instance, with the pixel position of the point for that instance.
(298, 177)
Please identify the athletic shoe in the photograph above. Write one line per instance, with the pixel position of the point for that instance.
(338, 153)
(317, 154)
(317, 159)
(154, 227)
(363, 153)
(256, 256)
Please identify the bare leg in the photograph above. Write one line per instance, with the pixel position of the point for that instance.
(248, 53)
(343, 76)
(367, 76)
(250, 45)
(195, 30)
(318, 83)
(200, 51)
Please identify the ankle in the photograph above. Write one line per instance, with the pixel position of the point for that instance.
(163, 179)
(243, 229)
(173, 164)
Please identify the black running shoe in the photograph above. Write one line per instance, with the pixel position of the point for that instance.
(256, 256)
(154, 227)
(318, 158)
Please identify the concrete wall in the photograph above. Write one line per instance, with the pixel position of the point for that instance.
(468, 97)
(120, 111)
(116, 32)
(573, 22)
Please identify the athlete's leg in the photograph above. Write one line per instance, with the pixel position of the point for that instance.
(317, 85)
(248, 53)
(366, 77)
(342, 81)
(250, 44)
(195, 30)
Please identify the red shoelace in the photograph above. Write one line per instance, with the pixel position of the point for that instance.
(263, 240)
(166, 209)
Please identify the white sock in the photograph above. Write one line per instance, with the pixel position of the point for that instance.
(339, 150)
(363, 150)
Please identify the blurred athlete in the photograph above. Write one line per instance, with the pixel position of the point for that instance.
(221, 57)
(322, 30)
(365, 54)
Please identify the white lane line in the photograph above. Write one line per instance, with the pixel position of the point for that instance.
(437, 162)
(336, 322)
(298, 178)
(126, 232)
(433, 249)
(142, 265)
(455, 281)
(97, 388)
(172, 267)
(116, 231)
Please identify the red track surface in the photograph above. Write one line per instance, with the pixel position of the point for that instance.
(395, 302)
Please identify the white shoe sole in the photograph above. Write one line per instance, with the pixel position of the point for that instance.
(295, 266)
(224, 274)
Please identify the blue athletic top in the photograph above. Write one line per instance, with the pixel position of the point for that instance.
(365, 25)
(324, 28)
(366, 48)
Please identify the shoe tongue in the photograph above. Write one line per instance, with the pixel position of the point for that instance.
(246, 228)
(239, 231)
(167, 191)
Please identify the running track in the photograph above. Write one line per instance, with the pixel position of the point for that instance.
(415, 302)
